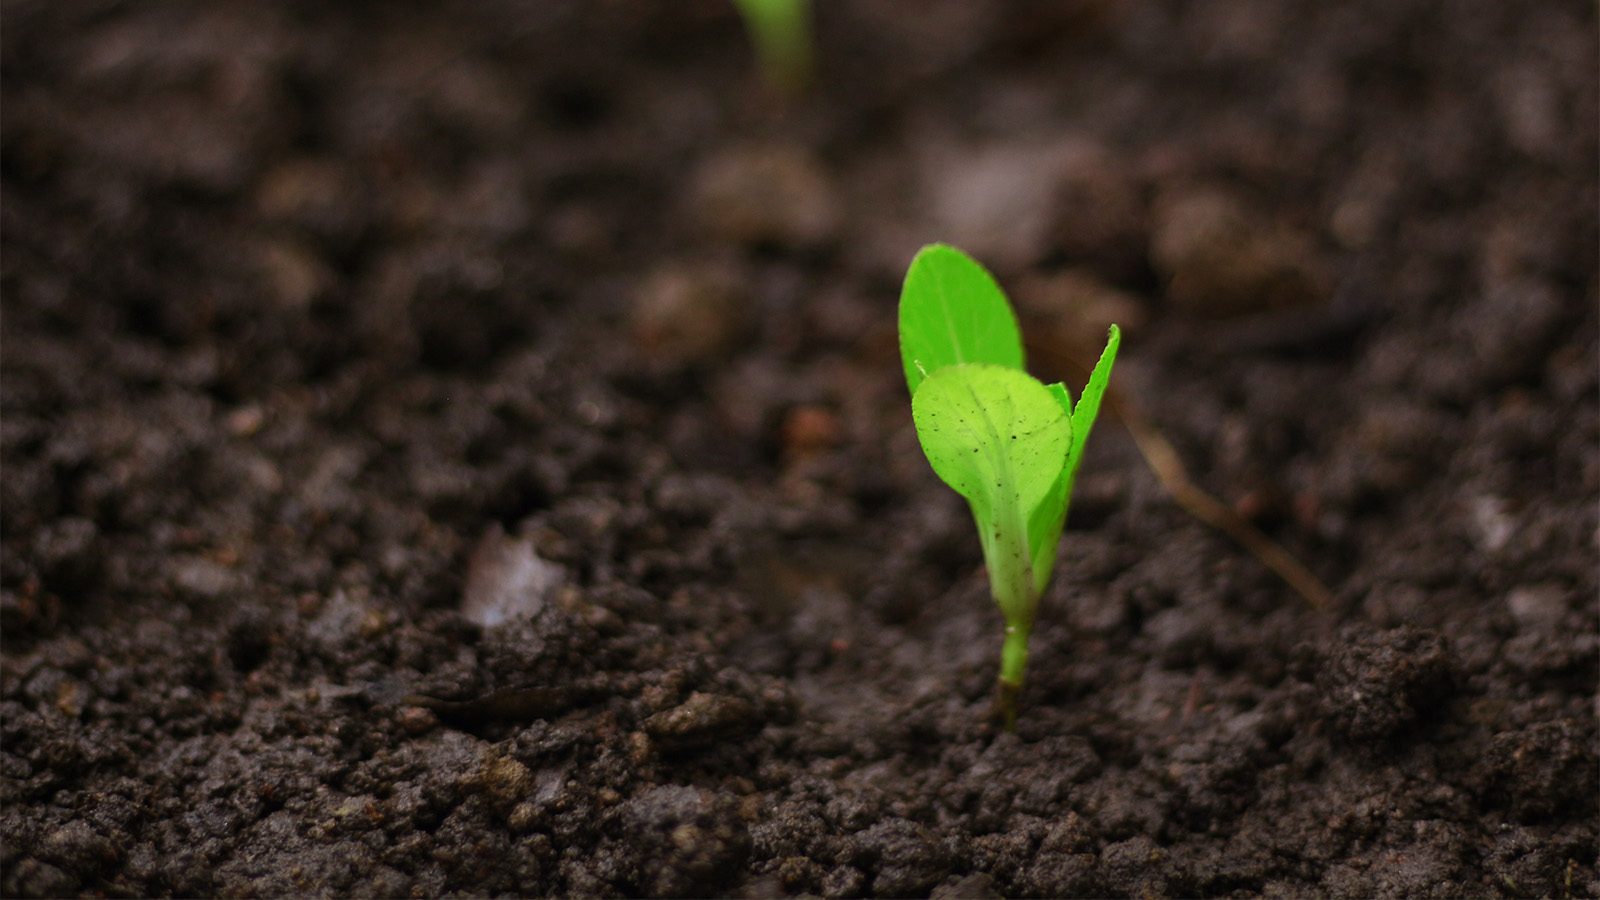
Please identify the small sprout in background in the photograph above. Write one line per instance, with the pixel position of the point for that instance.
(1002, 439)
(780, 30)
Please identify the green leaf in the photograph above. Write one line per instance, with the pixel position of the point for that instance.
(988, 429)
(1047, 520)
(1089, 403)
(1060, 390)
(953, 312)
(1045, 524)
(1000, 439)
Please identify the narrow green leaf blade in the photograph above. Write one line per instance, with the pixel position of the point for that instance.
(953, 312)
(1089, 402)
(1050, 517)
(1045, 524)
(1046, 520)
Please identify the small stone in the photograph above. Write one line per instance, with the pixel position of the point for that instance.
(29, 877)
(506, 579)
(1493, 523)
(763, 887)
(417, 719)
(1512, 327)
(65, 541)
(1367, 200)
(246, 420)
(1538, 607)
(202, 577)
(797, 872)
(1182, 635)
(1071, 834)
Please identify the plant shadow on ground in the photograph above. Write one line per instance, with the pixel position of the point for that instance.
(335, 336)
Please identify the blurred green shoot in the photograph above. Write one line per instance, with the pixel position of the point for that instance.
(780, 30)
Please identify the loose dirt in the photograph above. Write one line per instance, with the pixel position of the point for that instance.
(463, 451)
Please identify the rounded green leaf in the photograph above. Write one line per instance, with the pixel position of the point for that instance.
(995, 435)
(953, 312)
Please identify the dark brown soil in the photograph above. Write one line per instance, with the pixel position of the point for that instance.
(461, 449)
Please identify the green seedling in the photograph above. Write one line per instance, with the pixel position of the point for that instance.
(1002, 439)
(780, 30)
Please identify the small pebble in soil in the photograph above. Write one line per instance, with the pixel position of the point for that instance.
(506, 579)
(417, 720)
(202, 577)
(1538, 607)
(1492, 521)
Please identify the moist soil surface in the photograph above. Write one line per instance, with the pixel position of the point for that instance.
(463, 450)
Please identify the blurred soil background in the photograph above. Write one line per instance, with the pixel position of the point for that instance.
(461, 449)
